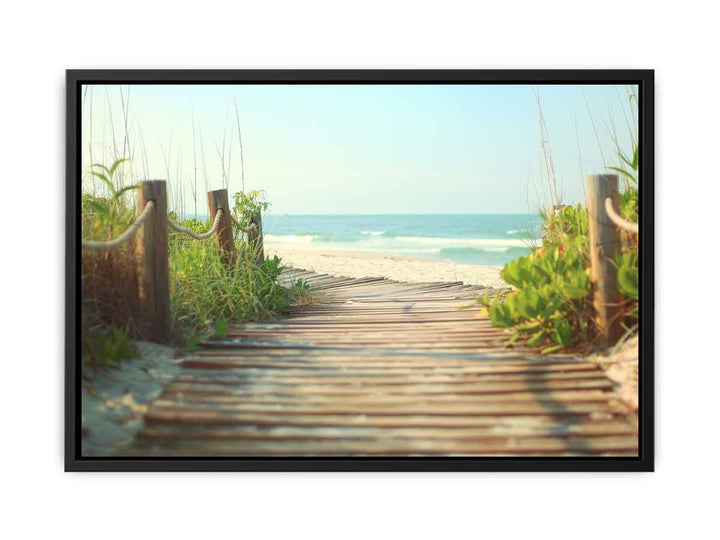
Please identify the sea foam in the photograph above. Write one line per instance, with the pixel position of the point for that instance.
(476, 242)
(290, 238)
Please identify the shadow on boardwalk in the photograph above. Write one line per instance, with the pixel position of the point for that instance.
(383, 368)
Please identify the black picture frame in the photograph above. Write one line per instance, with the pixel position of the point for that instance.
(644, 78)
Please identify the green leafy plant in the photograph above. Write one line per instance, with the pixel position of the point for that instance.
(628, 278)
(551, 303)
(626, 261)
(106, 347)
(301, 293)
(563, 223)
(301, 285)
(629, 166)
(272, 267)
(192, 341)
(247, 205)
(221, 329)
(110, 213)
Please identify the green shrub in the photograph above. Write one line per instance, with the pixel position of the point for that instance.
(107, 216)
(221, 329)
(566, 222)
(247, 205)
(551, 302)
(301, 285)
(103, 347)
(302, 294)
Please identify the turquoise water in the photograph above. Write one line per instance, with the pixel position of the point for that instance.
(473, 239)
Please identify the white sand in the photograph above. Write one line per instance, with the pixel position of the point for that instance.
(358, 265)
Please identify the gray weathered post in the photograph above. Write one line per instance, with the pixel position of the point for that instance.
(218, 199)
(255, 237)
(152, 263)
(604, 244)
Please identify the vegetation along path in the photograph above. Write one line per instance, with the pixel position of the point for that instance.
(379, 367)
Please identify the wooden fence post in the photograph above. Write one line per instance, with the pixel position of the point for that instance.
(255, 237)
(218, 199)
(604, 243)
(152, 260)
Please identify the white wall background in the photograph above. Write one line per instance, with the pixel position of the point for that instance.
(38, 43)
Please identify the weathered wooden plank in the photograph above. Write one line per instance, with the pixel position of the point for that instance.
(416, 384)
(321, 371)
(283, 432)
(450, 346)
(340, 447)
(468, 403)
(484, 356)
(302, 376)
(315, 330)
(398, 369)
(519, 391)
(208, 416)
(475, 408)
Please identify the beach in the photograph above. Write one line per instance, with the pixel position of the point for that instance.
(410, 269)
(402, 247)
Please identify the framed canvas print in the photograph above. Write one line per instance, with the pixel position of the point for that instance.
(359, 270)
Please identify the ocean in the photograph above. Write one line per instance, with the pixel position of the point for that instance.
(471, 239)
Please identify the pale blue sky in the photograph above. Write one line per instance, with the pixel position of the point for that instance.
(365, 148)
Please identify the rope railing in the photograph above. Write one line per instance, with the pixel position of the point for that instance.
(197, 236)
(132, 230)
(124, 237)
(618, 220)
(152, 310)
(247, 229)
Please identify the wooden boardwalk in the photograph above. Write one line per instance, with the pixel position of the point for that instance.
(379, 367)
